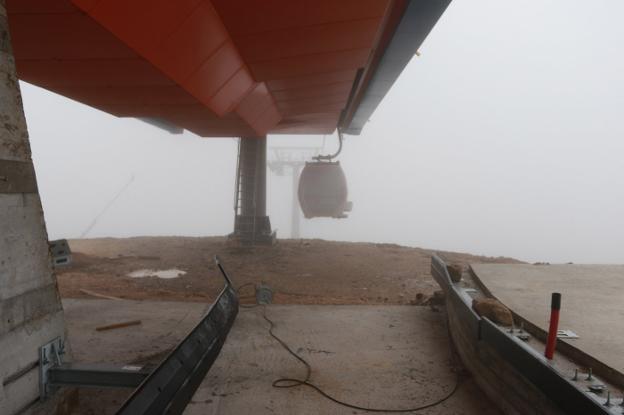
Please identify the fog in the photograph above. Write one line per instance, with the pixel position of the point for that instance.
(505, 137)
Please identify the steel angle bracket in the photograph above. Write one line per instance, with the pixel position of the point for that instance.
(169, 388)
(50, 356)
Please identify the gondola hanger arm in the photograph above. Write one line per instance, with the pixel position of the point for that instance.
(329, 157)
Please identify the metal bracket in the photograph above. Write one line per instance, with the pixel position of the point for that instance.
(60, 251)
(566, 334)
(50, 355)
(53, 373)
(264, 294)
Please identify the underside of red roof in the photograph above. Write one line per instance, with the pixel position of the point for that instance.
(214, 67)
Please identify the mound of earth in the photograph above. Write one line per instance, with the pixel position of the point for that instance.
(298, 271)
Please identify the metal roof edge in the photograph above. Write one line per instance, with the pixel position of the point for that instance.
(417, 21)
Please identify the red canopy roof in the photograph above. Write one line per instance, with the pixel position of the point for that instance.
(214, 67)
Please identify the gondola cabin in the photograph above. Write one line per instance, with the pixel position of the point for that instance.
(323, 190)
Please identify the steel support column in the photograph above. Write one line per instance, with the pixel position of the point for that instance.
(252, 225)
(295, 215)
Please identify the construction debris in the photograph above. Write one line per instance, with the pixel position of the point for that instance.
(436, 300)
(455, 272)
(118, 325)
(494, 310)
(94, 294)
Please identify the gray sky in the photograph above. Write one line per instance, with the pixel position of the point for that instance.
(504, 138)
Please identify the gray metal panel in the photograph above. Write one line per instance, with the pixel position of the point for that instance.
(536, 369)
(162, 124)
(416, 23)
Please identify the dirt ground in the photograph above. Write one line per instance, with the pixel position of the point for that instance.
(298, 271)
(306, 272)
(403, 360)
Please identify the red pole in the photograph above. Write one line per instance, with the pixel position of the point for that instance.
(555, 306)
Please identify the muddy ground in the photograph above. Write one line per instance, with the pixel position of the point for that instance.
(299, 271)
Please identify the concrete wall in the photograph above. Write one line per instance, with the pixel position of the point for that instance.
(30, 308)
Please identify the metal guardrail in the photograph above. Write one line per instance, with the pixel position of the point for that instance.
(539, 372)
(169, 388)
(171, 385)
(527, 362)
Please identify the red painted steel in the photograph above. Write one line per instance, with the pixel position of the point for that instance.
(214, 67)
(554, 325)
(192, 47)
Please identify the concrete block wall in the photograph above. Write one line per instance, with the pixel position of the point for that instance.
(30, 308)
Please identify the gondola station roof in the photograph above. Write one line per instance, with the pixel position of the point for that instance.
(223, 67)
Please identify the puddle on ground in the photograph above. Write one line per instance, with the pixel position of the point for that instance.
(160, 273)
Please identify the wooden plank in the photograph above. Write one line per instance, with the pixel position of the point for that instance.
(119, 325)
(94, 294)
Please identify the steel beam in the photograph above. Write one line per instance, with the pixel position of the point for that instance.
(97, 375)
